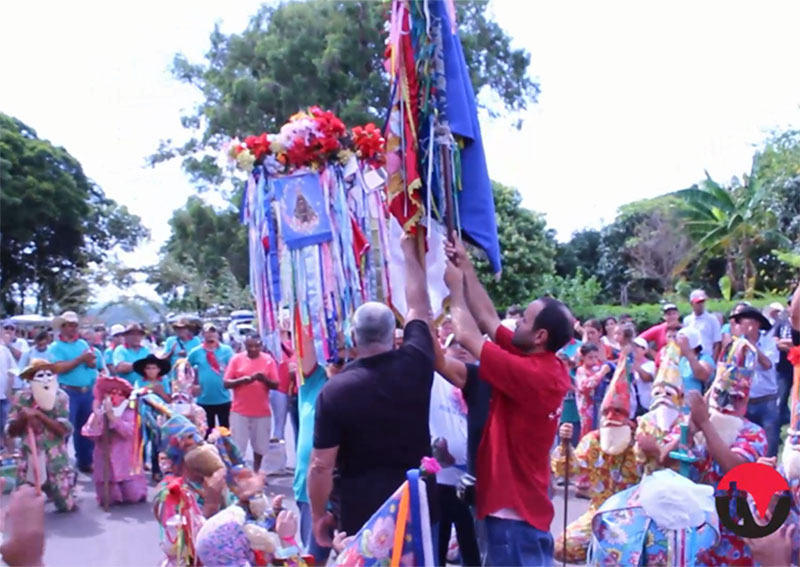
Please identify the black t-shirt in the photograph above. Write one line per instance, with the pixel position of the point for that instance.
(476, 395)
(376, 411)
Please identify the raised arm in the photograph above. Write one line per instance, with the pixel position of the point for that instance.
(454, 371)
(467, 332)
(477, 300)
(418, 303)
(794, 310)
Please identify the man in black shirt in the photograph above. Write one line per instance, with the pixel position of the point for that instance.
(372, 419)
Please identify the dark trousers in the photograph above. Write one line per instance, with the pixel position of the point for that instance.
(80, 408)
(455, 512)
(220, 413)
(765, 414)
(294, 415)
(513, 542)
(784, 390)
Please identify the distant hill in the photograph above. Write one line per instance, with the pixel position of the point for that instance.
(127, 311)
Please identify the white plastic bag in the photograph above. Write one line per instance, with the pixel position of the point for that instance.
(675, 502)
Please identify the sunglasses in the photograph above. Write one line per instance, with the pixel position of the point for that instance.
(9, 328)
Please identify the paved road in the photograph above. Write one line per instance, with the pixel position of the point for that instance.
(128, 535)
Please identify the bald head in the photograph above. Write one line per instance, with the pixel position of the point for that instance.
(373, 326)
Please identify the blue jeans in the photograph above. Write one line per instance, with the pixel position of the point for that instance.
(766, 414)
(280, 405)
(512, 542)
(80, 408)
(320, 553)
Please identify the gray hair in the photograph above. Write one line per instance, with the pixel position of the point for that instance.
(373, 325)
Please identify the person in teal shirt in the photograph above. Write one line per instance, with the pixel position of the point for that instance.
(307, 403)
(129, 352)
(696, 367)
(209, 361)
(179, 346)
(76, 364)
(116, 333)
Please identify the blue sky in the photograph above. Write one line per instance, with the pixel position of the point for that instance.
(637, 98)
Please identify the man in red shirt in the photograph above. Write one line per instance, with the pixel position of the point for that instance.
(251, 375)
(658, 333)
(529, 383)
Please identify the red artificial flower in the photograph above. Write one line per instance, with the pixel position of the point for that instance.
(298, 154)
(369, 144)
(259, 145)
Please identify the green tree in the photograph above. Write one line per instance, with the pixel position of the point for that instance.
(57, 225)
(205, 261)
(578, 254)
(528, 248)
(323, 52)
(732, 222)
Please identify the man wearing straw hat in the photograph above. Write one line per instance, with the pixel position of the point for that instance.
(75, 363)
(40, 417)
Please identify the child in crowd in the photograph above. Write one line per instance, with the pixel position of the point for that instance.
(587, 377)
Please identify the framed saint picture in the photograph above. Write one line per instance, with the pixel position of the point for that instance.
(303, 217)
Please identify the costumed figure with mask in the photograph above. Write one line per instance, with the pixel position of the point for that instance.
(665, 521)
(44, 410)
(604, 461)
(194, 488)
(659, 428)
(111, 427)
(248, 533)
(182, 388)
(724, 438)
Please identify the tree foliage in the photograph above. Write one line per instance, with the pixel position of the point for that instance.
(319, 52)
(204, 263)
(528, 249)
(732, 222)
(57, 224)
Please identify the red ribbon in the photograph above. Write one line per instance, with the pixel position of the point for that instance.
(212, 361)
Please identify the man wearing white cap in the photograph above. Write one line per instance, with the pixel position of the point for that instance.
(116, 332)
(75, 363)
(696, 366)
(706, 323)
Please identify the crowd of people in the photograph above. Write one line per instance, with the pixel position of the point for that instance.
(510, 406)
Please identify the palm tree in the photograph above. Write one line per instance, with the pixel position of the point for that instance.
(730, 222)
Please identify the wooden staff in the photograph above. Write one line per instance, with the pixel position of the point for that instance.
(450, 213)
(565, 443)
(37, 474)
(106, 464)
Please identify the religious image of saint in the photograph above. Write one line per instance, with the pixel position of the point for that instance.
(304, 218)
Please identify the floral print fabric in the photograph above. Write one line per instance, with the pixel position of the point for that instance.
(604, 475)
(60, 483)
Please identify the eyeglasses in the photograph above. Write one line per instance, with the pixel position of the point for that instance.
(9, 328)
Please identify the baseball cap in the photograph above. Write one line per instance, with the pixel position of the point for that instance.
(669, 307)
(697, 296)
(640, 342)
(692, 335)
(209, 326)
(776, 306)
(117, 330)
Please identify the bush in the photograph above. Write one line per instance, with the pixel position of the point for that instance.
(648, 314)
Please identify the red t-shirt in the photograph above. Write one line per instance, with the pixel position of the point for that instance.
(656, 334)
(514, 454)
(251, 400)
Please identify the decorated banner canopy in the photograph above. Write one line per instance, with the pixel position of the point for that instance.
(317, 226)
(326, 206)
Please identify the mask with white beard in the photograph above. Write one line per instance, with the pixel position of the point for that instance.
(614, 439)
(44, 388)
(665, 416)
(727, 427)
(790, 459)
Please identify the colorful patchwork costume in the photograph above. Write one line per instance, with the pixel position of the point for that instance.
(603, 473)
